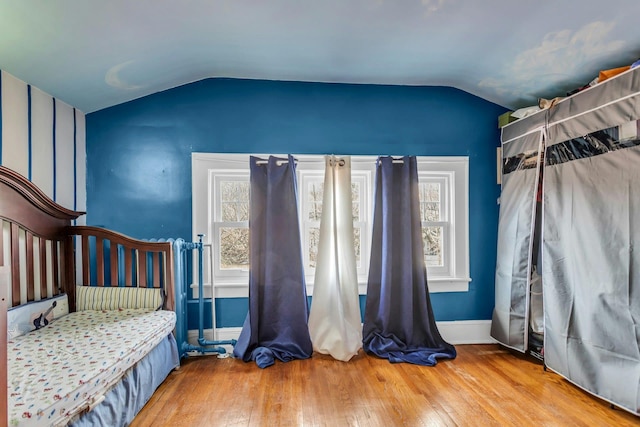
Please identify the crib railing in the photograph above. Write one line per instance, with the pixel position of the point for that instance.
(107, 258)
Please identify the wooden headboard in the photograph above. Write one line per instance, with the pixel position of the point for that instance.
(34, 229)
(29, 218)
(43, 255)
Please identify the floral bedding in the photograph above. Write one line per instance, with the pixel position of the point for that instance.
(65, 368)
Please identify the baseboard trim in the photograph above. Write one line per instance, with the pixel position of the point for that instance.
(466, 331)
(454, 332)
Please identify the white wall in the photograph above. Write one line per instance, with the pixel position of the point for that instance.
(43, 139)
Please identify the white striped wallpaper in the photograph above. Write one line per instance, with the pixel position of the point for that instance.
(43, 139)
(15, 125)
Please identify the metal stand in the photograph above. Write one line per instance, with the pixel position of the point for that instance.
(204, 345)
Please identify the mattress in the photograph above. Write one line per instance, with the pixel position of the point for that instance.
(127, 398)
(68, 366)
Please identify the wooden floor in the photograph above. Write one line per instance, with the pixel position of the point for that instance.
(484, 386)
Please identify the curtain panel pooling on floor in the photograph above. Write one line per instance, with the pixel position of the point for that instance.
(276, 324)
(334, 321)
(399, 324)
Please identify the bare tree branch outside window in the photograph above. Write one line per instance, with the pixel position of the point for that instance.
(234, 241)
(234, 248)
(430, 211)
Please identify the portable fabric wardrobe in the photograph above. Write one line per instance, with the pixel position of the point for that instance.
(590, 230)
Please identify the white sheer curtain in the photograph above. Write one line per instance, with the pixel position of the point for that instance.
(334, 322)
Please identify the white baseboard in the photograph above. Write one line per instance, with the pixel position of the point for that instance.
(466, 331)
(454, 332)
(224, 334)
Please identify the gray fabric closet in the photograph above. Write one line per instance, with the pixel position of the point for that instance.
(590, 238)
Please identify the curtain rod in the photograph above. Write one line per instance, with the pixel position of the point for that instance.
(280, 162)
(340, 162)
(336, 161)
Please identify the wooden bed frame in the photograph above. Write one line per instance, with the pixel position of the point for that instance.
(43, 255)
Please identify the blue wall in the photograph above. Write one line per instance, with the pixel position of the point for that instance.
(139, 155)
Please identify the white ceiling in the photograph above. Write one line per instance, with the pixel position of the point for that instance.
(95, 54)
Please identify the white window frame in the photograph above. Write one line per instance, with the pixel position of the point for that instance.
(306, 178)
(205, 168)
(453, 171)
(215, 223)
(446, 194)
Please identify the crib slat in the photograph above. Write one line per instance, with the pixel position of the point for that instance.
(100, 261)
(69, 271)
(1, 243)
(55, 260)
(43, 267)
(168, 282)
(15, 265)
(28, 239)
(127, 267)
(142, 269)
(156, 269)
(85, 260)
(114, 264)
(4, 305)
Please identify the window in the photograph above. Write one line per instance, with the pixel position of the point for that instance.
(221, 211)
(229, 225)
(444, 213)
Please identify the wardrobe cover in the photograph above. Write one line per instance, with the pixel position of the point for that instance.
(513, 269)
(590, 232)
(591, 273)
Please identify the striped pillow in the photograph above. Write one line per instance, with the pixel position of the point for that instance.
(114, 298)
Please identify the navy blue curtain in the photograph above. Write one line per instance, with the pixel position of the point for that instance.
(398, 319)
(276, 325)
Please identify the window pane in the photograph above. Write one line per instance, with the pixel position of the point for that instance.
(234, 199)
(227, 188)
(430, 192)
(234, 191)
(242, 210)
(432, 238)
(228, 211)
(430, 201)
(234, 248)
(356, 243)
(355, 198)
(314, 196)
(314, 238)
(430, 211)
(315, 211)
(356, 212)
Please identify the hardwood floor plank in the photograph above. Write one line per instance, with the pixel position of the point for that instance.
(485, 385)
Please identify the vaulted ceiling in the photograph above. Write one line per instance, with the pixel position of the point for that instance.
(95, 54)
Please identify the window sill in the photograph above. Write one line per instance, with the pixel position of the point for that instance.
(448, 284)
(223, 290)
(241, 290)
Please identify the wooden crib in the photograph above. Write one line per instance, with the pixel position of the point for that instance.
(43, 256)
